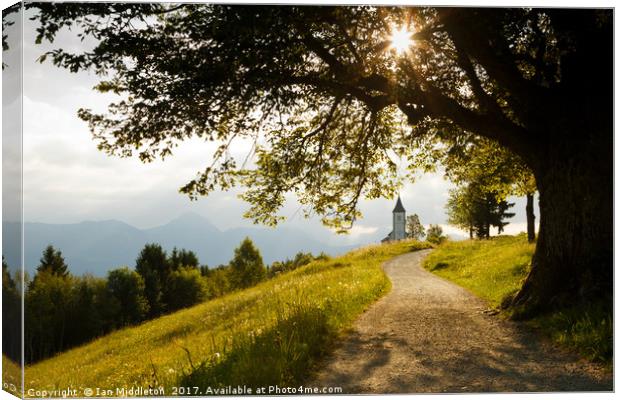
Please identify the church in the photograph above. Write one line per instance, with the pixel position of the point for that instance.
(398, 223)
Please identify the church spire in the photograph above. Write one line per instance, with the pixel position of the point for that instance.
(399, 206)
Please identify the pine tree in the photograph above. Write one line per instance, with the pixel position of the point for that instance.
(53, 262)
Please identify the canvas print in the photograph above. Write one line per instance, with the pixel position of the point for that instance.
(242, 199)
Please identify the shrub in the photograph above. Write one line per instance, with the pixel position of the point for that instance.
(185, 287)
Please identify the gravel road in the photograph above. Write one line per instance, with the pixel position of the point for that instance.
(430, 335)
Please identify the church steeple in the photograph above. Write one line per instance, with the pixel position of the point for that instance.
(399, 206)
(398, 221)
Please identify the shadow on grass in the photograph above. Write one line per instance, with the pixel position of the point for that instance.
(440, 266)
(282, 355)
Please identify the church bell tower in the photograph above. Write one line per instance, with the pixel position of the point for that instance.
(398, 221)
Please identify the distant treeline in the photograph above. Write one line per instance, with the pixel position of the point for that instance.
(63, 310)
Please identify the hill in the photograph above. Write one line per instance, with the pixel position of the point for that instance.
(98, 246)
(270, 334)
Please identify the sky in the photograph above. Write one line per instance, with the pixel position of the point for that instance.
(67, 180)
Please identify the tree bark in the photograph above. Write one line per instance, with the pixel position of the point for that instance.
(573, 260)
(531, 218)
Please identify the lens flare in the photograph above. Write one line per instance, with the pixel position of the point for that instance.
(400, 39)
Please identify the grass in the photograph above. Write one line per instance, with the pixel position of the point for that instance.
(266, 335)
(491, 269)
(495, 269)
(11, 376)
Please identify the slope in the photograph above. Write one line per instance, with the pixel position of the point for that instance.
(270, 334)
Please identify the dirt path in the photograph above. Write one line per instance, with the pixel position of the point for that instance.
(430, 335)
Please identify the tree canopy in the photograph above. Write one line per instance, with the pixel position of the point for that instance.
(330, 103)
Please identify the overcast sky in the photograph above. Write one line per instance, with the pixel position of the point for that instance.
(67, 180)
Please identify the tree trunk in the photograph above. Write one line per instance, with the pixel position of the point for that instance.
(573, 261)
(531, 218)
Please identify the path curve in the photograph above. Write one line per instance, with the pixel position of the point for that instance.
(430, 335)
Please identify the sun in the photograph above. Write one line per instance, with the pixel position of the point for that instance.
(400, 39)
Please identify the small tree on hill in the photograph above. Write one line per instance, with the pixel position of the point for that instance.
(434, 234)
(247, 268)
(415, 230)
(53, 262)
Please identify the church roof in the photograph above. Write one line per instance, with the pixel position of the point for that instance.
(399, 206)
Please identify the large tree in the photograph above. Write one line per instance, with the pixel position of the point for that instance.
(331, 93)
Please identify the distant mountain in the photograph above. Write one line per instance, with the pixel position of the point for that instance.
(98, 246)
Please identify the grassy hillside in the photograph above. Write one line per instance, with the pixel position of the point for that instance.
(491, 269)
(494, 269)
(266, 335)
(11, 376)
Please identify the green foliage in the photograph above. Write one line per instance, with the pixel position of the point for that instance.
(246, 267)
(298, 261)
(185, 287)
(434, 234)
(47, 314)
(493, 167)
(11, 315)
(127, 290)
(475, 208)
(415, 230)
(218, 281)
(333, 96)
(153, 265)
(183, 258)
(302, 311)
(52, 262)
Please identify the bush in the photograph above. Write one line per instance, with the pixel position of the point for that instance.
(185, 287)
(434, 234)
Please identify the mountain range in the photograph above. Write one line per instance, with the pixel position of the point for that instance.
(97, 246)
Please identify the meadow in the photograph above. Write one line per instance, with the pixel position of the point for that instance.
(494, 270)
(270, 334)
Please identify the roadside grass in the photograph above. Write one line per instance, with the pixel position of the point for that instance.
(491, 269)
(270, 334)
(494, 270)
